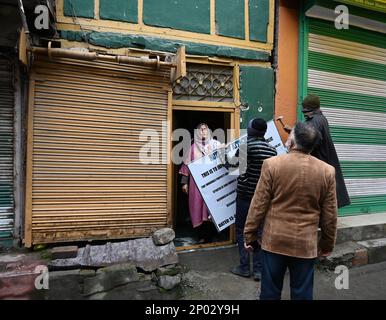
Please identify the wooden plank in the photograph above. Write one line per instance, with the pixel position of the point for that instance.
(213, 17)
(203, 246)
(29, 165)
(246, 18)
(118, 232)
(203, 104)
(140, 13)
(170, 171)
(236, 85)
(210, 109)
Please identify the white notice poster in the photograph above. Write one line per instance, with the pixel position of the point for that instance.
(217, 186)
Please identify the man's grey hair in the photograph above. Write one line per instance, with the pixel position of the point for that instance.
(306, 137)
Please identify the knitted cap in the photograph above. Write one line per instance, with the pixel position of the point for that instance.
(259, 125)
(310, 103)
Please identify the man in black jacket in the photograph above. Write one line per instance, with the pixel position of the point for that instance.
(257, 150)
(325, 150)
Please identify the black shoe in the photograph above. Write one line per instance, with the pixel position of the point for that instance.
(239, 272)
(257, 276)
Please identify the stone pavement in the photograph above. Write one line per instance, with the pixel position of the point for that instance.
(200, 275)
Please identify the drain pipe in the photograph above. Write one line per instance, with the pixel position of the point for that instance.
(92, 56)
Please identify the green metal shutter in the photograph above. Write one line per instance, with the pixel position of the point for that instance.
(6, 151)
(347, 69)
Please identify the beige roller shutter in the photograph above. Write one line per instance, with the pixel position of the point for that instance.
(86, 180)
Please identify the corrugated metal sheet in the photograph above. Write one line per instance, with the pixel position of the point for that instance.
(87, 179)
(365, 187)
(6, 149)
(355, 119)
(360, 152)
(347, 49)
(348, 71)
(340, 82)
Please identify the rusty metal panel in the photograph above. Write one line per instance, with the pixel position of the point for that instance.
(87, 178)
(7, 109)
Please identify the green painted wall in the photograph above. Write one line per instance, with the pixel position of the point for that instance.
(256, 89)
(82, 8)
(188, 15)
(258, 20)
(230, 18)
(118, 40)
(120, 10)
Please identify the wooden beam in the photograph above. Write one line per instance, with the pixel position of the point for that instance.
(181, 63)
(213, 17)
(203, 246)
(29, 164)
(246, 18)
(170, 171)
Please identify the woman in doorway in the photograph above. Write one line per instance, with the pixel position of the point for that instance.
(202, 145)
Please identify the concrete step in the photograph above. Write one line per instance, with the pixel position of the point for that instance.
(354, 254)
(361, 227)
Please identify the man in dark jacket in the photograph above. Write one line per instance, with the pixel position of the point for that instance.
(257, 150)
(325, 150)
(294, 196)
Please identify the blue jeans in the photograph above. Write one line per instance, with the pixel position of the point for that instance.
(274, 268)
(242, 207)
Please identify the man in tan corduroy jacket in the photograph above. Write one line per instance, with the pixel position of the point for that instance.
(295, 194)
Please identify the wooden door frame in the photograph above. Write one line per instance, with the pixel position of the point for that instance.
(234, 124)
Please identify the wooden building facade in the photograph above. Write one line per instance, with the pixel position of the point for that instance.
(84, 179)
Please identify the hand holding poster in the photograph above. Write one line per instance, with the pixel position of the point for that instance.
(217, 186)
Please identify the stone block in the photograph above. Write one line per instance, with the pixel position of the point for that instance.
(65, 285)
(110, 277)
(376, 249)
(171, 270)
(169, 282)
(163, 236)
(64, 252)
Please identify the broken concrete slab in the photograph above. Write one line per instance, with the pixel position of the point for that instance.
(10, 258)
(343, 254)
(143, 253)
(163, 236)
(110, 277)
(18, 282)
(143, 290)
(65, 285)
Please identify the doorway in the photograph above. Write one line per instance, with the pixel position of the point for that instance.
(186, 236)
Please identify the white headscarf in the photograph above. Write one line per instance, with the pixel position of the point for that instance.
(206, 145)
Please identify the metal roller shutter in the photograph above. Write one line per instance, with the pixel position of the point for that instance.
(6, 150)
(348, 71)
(87, 179)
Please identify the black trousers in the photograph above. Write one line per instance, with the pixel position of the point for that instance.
(301, 276)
